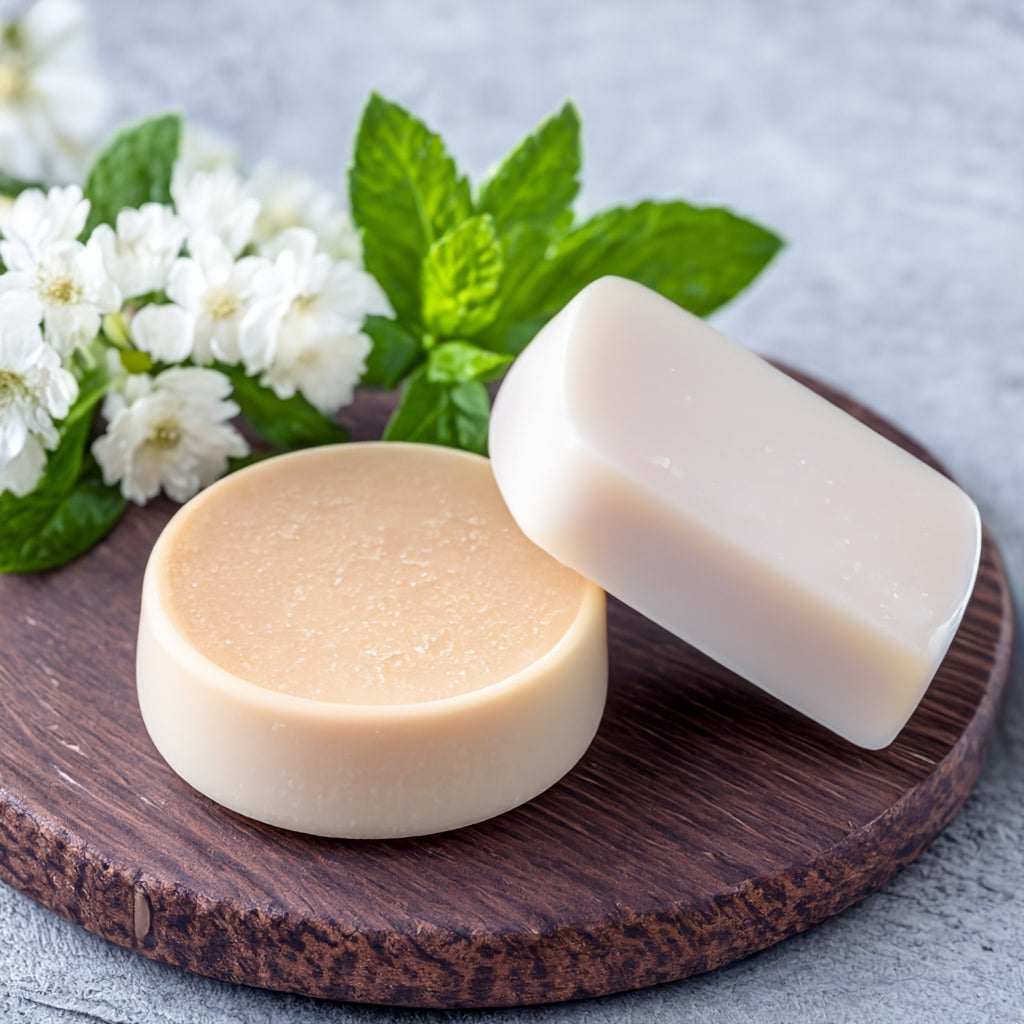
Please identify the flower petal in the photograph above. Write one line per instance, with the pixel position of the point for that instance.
(166, 332)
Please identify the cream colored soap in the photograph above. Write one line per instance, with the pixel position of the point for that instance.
(359, 641)
(736, 508)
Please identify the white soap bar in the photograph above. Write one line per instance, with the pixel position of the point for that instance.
(359, 641)
(735, 507)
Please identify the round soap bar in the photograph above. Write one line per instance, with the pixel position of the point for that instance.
(358, 641)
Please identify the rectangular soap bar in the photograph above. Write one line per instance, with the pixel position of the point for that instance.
(732, 505)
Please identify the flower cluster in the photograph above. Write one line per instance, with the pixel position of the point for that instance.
(260, 276)
(173, 309)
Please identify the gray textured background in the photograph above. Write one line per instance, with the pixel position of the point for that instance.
(885, 141)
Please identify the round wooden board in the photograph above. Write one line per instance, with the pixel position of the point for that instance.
(706, 822)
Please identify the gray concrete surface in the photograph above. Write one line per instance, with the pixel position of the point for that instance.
(885, 141)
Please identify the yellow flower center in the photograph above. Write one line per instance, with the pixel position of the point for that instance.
(13, 83)
(62, 288)
(306, 358)
(279, 215)
(165, 435)
(12, 386)
(220, 303)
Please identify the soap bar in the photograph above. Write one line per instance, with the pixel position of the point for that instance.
(735, 507)
(358, 641)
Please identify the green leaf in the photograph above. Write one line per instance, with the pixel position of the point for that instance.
(698, 257)
(65, 463)
(12, 187)
(69, 511)
(135, 167)
(406, 192)
(518, 336)
(454, 415)
(530, 196)
(538, 181)
(525, 248)
(457, 362)
(47, 529)
(395, 353)
(461, 274)
(89, 366)
(284, 422)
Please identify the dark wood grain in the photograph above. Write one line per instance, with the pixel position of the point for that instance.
(706, 822)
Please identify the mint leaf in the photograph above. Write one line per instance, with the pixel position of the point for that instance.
(454, 415)
(519, 335)
(530, 196)
(525, 247)
(394, 355)
(460, 278)
(538, 181)
(284, 422)
(457, 362)
(697, 257)
(133, 168)
(406, 192)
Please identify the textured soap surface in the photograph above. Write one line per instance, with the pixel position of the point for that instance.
(358, 641)
(735, 507)
(394, 584)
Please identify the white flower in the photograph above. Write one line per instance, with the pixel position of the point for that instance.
(307, 335)
(54, 101)
(117, 377)
(216, 202)
(22, 474)
(37, 218)
(166, 332)
(325, 365)
(217, 291)
(74, 291)
(173, 435)
(289, 199)
(139, 254)
(43, 256)
(35, 390)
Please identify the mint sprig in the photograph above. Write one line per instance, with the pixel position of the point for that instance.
(484, 270)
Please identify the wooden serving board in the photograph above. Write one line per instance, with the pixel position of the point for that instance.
(706, 822)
